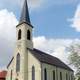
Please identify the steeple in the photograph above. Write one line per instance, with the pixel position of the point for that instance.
(25, 14)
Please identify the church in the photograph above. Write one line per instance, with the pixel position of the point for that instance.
(29, 63)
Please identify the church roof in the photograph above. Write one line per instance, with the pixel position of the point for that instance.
(46, 58)
(25, 14)
(10, 62)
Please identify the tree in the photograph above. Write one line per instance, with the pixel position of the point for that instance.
(79, 78)
(74, 58)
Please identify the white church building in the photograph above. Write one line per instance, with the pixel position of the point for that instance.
(29, 63)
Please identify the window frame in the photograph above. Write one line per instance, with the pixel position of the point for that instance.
(53, 74)
(66, 76)
(45, 74)
(19, 34)
(11, 74)
(18, 63)
(33, 73)
(28, 35)
(60, 75)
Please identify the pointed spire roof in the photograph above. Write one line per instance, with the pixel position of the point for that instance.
(25, 13)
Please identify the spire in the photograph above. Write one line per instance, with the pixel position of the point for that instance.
(25, 13)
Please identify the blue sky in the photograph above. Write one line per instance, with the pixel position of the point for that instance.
(50, 18)
(53, 21)
(56, 26)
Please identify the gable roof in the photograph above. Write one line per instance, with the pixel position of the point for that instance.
(3, 74)
(46, 58)
(10, 62)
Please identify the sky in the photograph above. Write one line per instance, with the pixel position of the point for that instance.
(56, 26)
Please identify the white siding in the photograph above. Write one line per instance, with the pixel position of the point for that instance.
(50, 68)
(32, 61)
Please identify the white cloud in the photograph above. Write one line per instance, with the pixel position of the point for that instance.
(11, 4)
(31, 3)
(46, 3)
(35, 3)
(76, 19)
(8, 24)
(55, 47)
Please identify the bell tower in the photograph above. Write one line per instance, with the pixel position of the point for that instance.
(24, 28)
(23, 43)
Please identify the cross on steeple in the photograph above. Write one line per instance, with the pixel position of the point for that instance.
(25, 14)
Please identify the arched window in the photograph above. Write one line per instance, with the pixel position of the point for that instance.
(11, 74)
(45, 74)
(18, 62)
(60, 75)
(33, 73)
(66, 76)
(19, 34)
(28, 35)
(53, 75)
(69, 77)
(72, 77)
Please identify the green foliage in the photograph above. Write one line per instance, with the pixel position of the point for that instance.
(79, 78)
(75, 57)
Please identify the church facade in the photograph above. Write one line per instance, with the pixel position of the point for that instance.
(29, 63)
